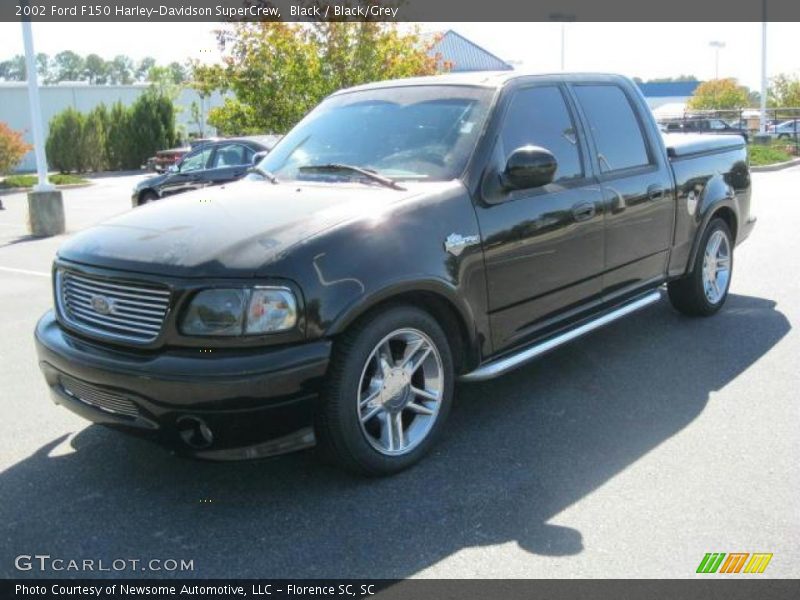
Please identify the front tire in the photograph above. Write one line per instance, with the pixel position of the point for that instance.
(389, 391)
(147, 197)
(702, 292)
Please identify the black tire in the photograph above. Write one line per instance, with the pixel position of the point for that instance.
(147, 196)
(338, 422)
(688, 294)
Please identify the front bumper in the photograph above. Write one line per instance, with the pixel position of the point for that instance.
(253, 402)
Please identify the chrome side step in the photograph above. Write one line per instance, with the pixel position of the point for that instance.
(502, 365)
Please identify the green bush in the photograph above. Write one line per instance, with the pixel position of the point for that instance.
(64, 151)
(122, 138)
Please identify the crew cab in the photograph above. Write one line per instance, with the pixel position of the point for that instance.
(403, 235)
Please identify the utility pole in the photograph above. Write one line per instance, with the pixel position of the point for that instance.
(45, 204)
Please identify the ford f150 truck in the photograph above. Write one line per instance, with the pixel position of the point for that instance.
(403, 235)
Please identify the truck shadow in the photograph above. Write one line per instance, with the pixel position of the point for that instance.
(518, 451)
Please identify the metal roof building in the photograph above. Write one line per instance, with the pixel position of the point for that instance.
(462, 55)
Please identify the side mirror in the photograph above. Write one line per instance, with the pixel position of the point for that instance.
(259, 156)
(174, 168)
(528, 167)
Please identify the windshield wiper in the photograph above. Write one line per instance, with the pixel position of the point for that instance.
(368, 173)
(264, 173)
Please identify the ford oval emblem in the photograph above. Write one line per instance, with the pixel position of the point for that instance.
(101, 304)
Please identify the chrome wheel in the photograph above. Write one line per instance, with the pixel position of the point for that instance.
(716, 267)
(400, 392)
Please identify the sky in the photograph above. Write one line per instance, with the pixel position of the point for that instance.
(646, 50)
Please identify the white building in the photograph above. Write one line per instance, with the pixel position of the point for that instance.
(15, 110)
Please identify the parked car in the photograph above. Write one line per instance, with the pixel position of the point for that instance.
(786, 130)
(211, 163)
(403, 235)
(706, 125)
(164, 159)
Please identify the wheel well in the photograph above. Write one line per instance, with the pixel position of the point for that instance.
(727, 215)
(445, 313)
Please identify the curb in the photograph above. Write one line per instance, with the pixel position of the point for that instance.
(775, 167)
(66, 186)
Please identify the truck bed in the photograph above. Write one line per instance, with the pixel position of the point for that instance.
(680, 145)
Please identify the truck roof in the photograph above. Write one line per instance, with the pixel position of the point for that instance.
(487, 79)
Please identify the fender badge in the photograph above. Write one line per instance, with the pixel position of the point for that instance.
(456, 243)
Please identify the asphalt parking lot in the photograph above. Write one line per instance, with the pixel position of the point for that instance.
(629, 453)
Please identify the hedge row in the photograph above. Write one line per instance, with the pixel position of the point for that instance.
(111, 139)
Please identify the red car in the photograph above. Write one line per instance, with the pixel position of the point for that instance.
(164, 159)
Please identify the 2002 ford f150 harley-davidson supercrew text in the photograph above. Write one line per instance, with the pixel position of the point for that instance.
(404, 234)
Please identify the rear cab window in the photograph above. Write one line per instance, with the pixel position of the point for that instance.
(615, 127)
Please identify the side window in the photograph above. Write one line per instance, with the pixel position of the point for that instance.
(196, 161)
(615, 128)
(229, 155)
(538, 116)
(717, 124)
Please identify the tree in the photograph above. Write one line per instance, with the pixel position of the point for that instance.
(719, 94)
(43, 67)
(121, 70)
(117, 147)
(177, 72)
(63, 147)
(92, 142)
(69, 66)
(12, 148)
(13, 69)
(279, 71)
(95, 69)
(143, 68)
(784, 91)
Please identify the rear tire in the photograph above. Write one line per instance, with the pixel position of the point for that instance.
(388, 393)
(704, 290)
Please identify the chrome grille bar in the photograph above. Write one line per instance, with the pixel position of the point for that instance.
(117, 309)
(103, 399)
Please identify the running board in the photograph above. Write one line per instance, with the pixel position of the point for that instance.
(502, 365)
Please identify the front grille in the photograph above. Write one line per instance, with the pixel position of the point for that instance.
(112, 308)
(106, 400)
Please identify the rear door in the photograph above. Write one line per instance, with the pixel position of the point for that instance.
(543, 247)
(637, 187)
(229, 162)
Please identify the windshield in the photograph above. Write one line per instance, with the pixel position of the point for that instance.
(416, 132)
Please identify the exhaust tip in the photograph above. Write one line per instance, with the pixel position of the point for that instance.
(194, 432)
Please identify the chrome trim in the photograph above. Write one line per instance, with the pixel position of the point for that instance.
(503, 365)
(139, 312)
(103, 399)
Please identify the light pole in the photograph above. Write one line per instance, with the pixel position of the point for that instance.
(762, 125)
(45, 204)
(563, 19)
(717, 45)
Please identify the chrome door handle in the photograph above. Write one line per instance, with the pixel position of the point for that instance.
(583, 211)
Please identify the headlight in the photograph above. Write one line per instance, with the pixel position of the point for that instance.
(240, 312)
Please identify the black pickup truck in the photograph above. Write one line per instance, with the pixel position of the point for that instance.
(403, 235)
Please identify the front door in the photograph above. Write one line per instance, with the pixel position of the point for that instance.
(543, 247)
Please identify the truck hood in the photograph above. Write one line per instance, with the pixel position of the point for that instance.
(228, 231)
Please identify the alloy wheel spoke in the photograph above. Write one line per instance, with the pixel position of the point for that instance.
(376, 390)
(427, 394)
(371, 413)
(419, 408)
